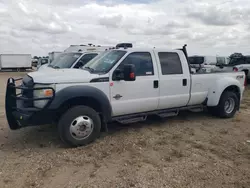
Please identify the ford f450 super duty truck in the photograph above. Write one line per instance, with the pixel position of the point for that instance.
(124, 85)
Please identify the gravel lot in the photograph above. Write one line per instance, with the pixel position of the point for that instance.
(191, 150)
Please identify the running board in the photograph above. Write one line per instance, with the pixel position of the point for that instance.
(168, 114)
(198, 109)
(131, 119)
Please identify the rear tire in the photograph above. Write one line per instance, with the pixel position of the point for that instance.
(227, 106)
(79, 126)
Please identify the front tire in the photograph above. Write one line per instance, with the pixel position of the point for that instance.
(79, 126)
(228, 105)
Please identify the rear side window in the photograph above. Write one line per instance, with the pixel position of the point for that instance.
(170, 63)
(247, 60)
(142, 61)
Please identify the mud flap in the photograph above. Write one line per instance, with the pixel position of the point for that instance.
(10, 104)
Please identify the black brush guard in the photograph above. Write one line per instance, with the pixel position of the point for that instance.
(17, 115)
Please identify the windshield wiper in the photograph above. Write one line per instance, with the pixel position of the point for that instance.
(88, 68)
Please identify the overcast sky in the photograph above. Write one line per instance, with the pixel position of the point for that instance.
(209, 27)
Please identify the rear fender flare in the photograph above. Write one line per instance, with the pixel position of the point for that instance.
(219, 87)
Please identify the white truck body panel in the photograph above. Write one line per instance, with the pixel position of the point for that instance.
(176, 94)
(211, 86)
(244, 67)
(210, 60)
(76, 48)
(15, 61)
(140, 95)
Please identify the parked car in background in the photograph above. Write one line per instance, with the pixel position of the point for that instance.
(69, 60)
(242, 64)
(76, 58)
(207, 63)
(42, 61)
(238, 63)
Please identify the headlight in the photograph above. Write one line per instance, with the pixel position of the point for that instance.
(42, 94)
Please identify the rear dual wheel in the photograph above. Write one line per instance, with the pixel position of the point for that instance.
(227, 106)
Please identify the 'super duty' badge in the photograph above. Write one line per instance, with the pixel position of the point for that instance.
(239, 77)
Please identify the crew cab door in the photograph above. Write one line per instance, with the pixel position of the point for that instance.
(174, 79)
(141, 95)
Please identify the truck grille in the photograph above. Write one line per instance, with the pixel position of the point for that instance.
(28, 83)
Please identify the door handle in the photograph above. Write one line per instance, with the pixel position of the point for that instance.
(117, 96)
(184, 82)
(156, 83)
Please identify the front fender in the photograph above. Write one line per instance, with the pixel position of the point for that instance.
(83, 91)
(219, 87)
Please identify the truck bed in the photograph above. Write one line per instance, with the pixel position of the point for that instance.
(203, 83)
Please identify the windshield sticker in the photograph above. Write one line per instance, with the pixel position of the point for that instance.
(148, 73)
(76, 56)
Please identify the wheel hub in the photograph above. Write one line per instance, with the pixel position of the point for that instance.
(81, 127)
(229, 105)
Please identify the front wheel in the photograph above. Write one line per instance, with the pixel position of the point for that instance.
(79, 126)
(228, 105)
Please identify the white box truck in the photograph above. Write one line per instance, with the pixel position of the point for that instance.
(15, 62)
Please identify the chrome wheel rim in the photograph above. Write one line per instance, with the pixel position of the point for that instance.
(229, 105)
(81, 127)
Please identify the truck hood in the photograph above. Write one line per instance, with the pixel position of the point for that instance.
(44, 67)
(62, 76)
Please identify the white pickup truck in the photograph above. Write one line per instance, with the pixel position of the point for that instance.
(125, 85)
(243, 65)
(237, 64)
(69, 60)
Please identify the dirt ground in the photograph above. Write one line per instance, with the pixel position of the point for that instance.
(192, 150)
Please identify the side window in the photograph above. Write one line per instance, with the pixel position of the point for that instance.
(247, 60)
(239, 62)
(142, 61)
(170, 63)
(85, 59)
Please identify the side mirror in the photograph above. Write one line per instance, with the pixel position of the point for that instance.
(129, 72)
(118, 75)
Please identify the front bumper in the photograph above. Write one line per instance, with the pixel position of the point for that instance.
(18, 115)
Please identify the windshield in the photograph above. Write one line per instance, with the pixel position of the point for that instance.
(104, 62)
(65, 60)
(196, 60)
